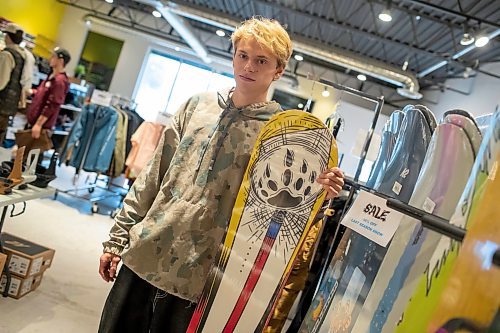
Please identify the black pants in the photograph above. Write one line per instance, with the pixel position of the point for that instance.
(133, 305)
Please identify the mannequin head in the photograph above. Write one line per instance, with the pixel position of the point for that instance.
(13, 34)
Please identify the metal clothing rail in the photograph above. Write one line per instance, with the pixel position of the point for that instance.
(378, 101)
(91, 187)
(429, 221)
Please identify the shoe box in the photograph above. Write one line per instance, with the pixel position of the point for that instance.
(3, 260)
(19, 287)
(25, 258)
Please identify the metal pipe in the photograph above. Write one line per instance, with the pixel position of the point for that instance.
(182, 27)
(457, 55)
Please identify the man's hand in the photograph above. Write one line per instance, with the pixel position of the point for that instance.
(332, 181)
(36, 131)
(108, 264)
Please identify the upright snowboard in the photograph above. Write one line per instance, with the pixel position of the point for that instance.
(276, 204)
(472, 294)
(430, 285)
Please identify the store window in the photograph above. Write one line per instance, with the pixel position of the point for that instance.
(167, 82)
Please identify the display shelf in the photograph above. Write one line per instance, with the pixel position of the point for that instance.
(31, 193)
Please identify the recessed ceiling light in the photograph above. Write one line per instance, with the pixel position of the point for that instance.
(361, 77)
(298, 57)
(177, 48)
(418, 17)
(156, 13)
(300, 106)
(109, 1)
(325, 93)
(385, 15)
(482, 41)
(220, 33)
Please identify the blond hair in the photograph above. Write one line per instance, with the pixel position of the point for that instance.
(270, 35)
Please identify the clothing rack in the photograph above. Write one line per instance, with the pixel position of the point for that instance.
(117, 101)
(379, 103)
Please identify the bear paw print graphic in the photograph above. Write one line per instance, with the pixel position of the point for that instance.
(292, 186)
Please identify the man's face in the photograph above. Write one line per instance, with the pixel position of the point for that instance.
(54, 60)
(254, 67)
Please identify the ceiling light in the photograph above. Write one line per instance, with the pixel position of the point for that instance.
(88, 23)
(361, 77)
(109, 1)
(467, 39)
(405, 65)
(418, 17)
(298, 57)
(220, 33)
(482, 41)
(325, 93)
(300, 106)
(385, 15)
(156, 13)
(177, 48)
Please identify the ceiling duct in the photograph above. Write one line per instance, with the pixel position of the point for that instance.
(182, 27)
(407, 83)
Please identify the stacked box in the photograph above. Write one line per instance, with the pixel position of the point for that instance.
(27, 261)
(18, 286)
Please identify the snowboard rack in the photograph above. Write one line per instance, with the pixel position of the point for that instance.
(429, 221)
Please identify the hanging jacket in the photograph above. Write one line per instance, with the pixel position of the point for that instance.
(174, 216)
(144, 143)
(11, 93)
(134, 121)
(95, 129)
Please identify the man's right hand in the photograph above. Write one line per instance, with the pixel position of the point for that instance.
(108, 264)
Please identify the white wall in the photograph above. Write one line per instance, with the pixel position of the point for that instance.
(483, 98)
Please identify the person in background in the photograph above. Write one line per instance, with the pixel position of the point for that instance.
(50, 95)
(174, 216)
(12, 63)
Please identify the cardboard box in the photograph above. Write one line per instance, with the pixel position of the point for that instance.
(26, 258)
(3, 260)
(20, 287)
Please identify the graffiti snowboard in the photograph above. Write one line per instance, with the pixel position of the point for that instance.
(276, 204)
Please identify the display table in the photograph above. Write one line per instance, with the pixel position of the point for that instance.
(18, 196)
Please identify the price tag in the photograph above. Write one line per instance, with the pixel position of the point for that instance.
(370, 217)
(429, 205)
(101, 97)
(397, 188)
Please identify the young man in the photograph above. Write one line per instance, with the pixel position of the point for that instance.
(175, 214)
(12, 61)
(48, 97)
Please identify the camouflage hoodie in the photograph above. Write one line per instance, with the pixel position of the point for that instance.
(174, 217)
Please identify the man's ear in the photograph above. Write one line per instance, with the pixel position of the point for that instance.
(279, 72)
